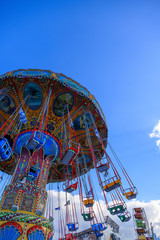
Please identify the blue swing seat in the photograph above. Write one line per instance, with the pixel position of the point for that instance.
(96, 230)
(98, 227)
(33, 173)
(101, 227)
(98, 233)
(72, 227)
(5, 150)
(103, 167)
(37, 141)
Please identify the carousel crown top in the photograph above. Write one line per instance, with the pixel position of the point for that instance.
(41, 108)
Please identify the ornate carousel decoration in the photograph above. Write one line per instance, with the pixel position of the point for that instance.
(52, 130)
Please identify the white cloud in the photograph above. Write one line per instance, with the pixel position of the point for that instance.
(156, 134)
(127, 232)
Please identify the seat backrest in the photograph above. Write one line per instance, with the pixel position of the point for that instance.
(95, 227)
(101, 226)
(98, 233)
(71, 226)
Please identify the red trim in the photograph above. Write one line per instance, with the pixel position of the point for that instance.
(15, 224)
(34, 228)
(50, 235)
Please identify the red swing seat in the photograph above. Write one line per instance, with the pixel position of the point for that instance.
(71, 188)
(69, 236)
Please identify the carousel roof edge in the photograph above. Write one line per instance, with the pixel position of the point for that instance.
(62, 78)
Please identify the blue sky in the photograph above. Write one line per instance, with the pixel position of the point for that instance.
(110, 47)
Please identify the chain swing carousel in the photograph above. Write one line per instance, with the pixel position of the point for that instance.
(53, 130)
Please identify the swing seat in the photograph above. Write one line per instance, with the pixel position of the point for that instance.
(70, 153)
(112, 185)
(96, 230)
(88, 202)
(95, 227)
(124, 218)
(130, 195)
(101, 226)
(117, 209)
(69, 236)
(88, 216)
(5, 150)
(37, 141)
(98, 233)
(33, 173)
(71, 187)
(72, 227)
(69, 156)
(98, 227)
(103, 167)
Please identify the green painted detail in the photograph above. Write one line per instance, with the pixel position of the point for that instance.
(87, 216)
(123, 218)
(140, 224)
(71, 150)
(116, 209)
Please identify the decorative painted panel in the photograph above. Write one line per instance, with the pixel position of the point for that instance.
(10, 231)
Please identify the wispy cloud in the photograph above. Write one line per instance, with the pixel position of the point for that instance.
(156, 134)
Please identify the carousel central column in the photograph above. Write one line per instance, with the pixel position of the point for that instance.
(24, 200)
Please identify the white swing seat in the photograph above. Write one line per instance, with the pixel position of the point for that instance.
(71, 153)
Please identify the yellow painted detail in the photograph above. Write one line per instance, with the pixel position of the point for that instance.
(128, 194)
(142, 237)
(54, 75)
(112, 184)
(88, 201)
